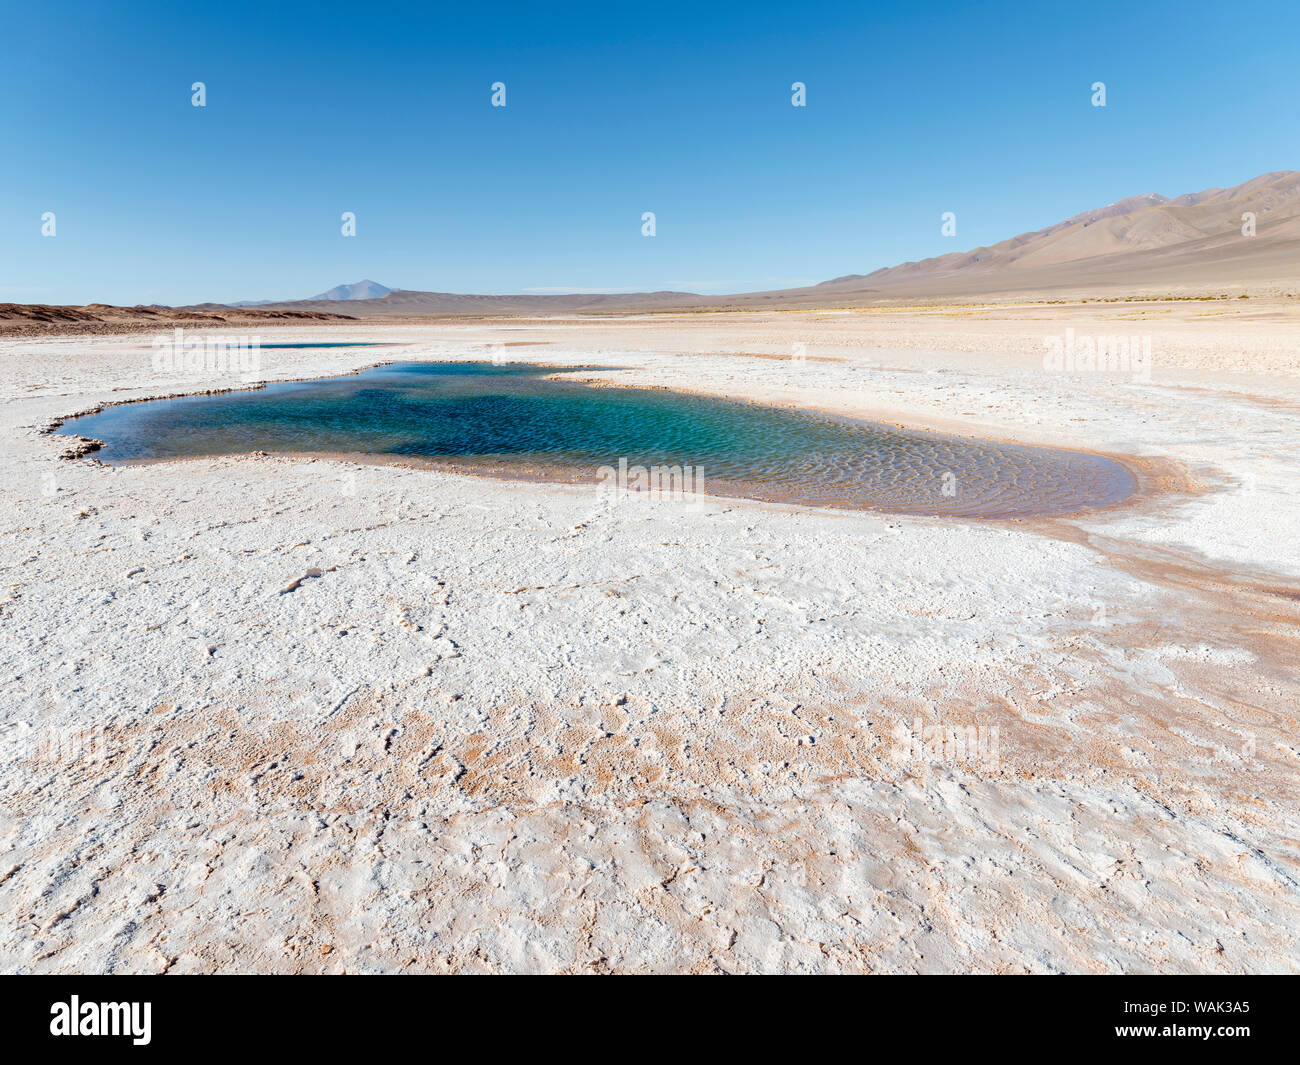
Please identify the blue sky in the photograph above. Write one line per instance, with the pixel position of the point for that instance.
(613, 109)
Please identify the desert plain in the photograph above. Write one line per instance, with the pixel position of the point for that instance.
(277, 714)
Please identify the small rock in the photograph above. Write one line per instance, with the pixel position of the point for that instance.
(293, 585)
(445, 648)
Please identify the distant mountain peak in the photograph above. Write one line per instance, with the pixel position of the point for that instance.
(360, 290)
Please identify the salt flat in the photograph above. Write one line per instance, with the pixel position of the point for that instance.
(313, 715)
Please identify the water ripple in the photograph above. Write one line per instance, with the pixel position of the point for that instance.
(510, 418)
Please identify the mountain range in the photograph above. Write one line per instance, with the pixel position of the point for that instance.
(1193, 243)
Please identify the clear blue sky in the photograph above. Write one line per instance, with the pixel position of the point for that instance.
(613, 109)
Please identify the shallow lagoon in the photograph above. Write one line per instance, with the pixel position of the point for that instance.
(529, 421)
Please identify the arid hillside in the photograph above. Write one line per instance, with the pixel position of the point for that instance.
(1193, 246)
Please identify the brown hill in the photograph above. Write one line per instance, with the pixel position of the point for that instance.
(1191, 241)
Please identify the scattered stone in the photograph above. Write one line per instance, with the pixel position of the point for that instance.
(293, 585)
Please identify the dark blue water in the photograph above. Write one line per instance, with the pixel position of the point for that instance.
(512, 420)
